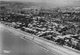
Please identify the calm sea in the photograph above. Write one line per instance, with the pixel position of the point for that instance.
(14, 45)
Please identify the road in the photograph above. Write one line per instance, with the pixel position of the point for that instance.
(55, 49)
(12, 44)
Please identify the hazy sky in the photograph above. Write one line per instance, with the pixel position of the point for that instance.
(54, 2)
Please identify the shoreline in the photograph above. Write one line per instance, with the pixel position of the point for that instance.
(42, 42)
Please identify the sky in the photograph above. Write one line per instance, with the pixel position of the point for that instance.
(54, 2)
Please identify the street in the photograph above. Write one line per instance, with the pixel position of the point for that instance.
(55, 49)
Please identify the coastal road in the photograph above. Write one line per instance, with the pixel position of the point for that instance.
(43, 44)
(12, 44)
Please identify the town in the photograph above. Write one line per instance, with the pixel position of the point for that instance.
(60, 25)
